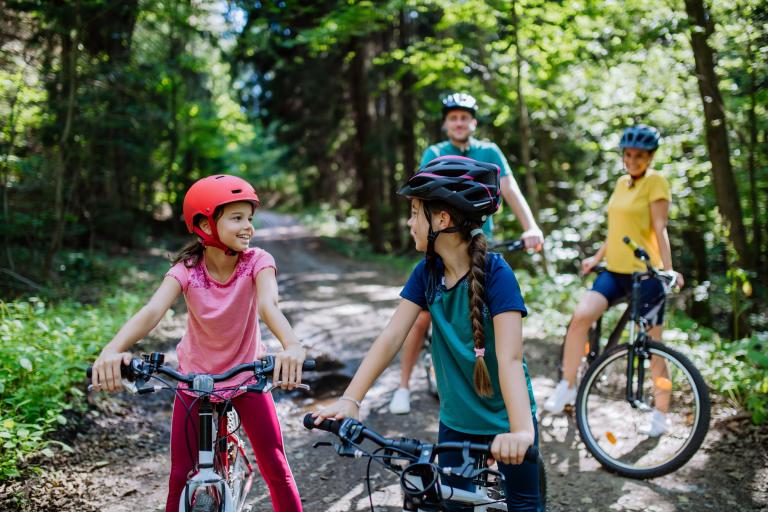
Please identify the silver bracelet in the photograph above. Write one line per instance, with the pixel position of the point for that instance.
(358, 403)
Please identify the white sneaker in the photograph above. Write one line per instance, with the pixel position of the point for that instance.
(401, 401)
(560, 397)
(658, 425)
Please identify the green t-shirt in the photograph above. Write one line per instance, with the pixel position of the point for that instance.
(453, 355)
(480, 150)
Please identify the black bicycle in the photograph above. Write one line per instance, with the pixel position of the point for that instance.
(642, 408)
(426, 348)
(413, 461)
(223, 475)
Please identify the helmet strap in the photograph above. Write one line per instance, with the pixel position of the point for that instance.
(432, 235)
(212, 240)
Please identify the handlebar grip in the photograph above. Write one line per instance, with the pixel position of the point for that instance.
(125, 371)
(638, 251)
(327, 425)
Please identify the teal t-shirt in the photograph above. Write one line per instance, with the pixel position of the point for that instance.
(453, 355)
(480, 150)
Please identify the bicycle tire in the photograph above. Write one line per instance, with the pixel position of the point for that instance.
(610, 427)
(204, 502)
(238, 471)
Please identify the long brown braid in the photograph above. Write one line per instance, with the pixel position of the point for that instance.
(476, 287)
(476, 281)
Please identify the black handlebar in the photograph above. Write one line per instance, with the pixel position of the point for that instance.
(509, 246)
(351, 430)
(143, 368)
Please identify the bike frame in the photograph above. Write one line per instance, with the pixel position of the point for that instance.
(213, 461)
(213, 465)
(478, 499)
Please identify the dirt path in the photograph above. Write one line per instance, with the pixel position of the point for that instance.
(337, 306)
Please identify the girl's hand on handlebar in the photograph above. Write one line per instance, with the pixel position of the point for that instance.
(510, 448)
(533, 238)
(288, 366)
(338, 410)
(588, 264)
(106, 371)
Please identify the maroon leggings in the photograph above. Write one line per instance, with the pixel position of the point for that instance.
(259, 419)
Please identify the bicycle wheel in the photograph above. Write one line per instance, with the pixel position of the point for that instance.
(615, 432)
(239, 469)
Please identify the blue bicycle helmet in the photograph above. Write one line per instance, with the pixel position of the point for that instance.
(640, 136)
(459, 101)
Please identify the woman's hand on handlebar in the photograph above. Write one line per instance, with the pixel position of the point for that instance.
(288, 366)
(588, 264)
(679, 280)
(340, 409)
(533, 238)
(106, 370)
(510, 448)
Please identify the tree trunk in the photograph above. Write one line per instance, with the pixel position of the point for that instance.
(61, 153)
(757, 231)
(370, 193)
(726, 192)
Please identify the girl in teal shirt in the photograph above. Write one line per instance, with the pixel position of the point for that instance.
(477, 311)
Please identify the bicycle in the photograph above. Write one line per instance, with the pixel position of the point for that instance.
(414, 463)
(223, 476)
(621, 387)
(426, 348)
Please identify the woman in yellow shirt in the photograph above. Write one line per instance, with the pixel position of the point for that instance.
(638, 208)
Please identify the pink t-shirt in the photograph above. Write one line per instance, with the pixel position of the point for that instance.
(223, 322)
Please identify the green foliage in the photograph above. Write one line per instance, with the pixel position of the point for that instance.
(736, 369)
(44, 349)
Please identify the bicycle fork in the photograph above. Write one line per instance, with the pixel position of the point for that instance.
(637, 353)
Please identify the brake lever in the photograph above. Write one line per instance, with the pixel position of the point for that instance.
(276, 384)
(127, 385)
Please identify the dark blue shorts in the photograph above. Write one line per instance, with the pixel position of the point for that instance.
(521, 481)
(615, 287)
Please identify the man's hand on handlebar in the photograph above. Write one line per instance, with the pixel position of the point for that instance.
(510, 448)
(106, 371)
(533, 238)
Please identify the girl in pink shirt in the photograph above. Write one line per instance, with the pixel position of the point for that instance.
(227, 287)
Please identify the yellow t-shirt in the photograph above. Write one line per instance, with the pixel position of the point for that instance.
(629, 214)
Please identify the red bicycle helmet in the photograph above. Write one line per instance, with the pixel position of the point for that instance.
(207, 194)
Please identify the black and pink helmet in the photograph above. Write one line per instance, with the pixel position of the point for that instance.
(470, 186)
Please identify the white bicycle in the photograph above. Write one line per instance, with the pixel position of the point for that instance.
(414, 462)
(223, 475)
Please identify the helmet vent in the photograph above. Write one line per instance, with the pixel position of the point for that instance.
(237, 191)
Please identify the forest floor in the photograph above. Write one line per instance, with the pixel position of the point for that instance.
(337, 306)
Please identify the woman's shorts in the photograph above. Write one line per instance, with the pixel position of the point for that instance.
(616, 287)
